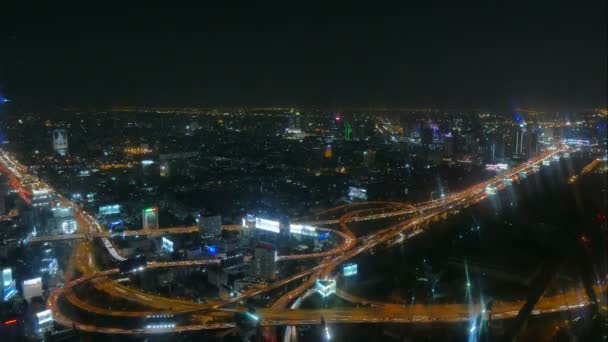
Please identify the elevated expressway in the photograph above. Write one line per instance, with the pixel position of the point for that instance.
(278, 314)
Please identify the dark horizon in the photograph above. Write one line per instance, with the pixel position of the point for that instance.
(548, 57)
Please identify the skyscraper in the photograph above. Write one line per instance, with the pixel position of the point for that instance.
(60, 141)
(369, 157)
(209, 224)
(328, 152)
(518, 144)
(265, 261)
(150, 218)
(295, 121)
(348, 131)
(531, 147)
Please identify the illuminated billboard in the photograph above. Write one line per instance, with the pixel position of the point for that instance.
(349, 270)
(63, 212)
(357, 193)
(110, 209)
(167, 245)
(45, 321)
(116, 224)
(302, 229)
(577, 142)
(325, 287)
(32, 288)
(9, 289)
(68, 226)
(263, 224)
(490, 190)
(497, 167)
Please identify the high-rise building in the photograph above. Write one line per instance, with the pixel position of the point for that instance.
(63, 221)
(369, 157)
(295, 121)
(532, 147)
(348, 131)
(328, 152)
(334, 125)
(209, 224)
(150, 218)
(518, 144)
(265, 261)
(164, 169)
(60, 141)
(426, 135)
(448, 145)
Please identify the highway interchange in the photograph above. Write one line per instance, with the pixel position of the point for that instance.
(217, 315)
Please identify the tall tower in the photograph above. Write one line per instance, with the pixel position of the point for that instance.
(519, 150)
(348, 131)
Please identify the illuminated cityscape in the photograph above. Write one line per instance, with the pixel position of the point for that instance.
(295, 198)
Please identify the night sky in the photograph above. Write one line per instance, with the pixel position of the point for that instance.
(546, 55)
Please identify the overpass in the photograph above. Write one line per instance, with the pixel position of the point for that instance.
(278, 314)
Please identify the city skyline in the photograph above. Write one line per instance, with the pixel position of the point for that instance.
(262, 172)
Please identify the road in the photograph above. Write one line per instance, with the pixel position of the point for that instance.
(588, 168)
(107, 234)
(278, 313)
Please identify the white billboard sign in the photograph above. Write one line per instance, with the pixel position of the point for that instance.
(32, 288)
(271, 226)
(301, 229)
